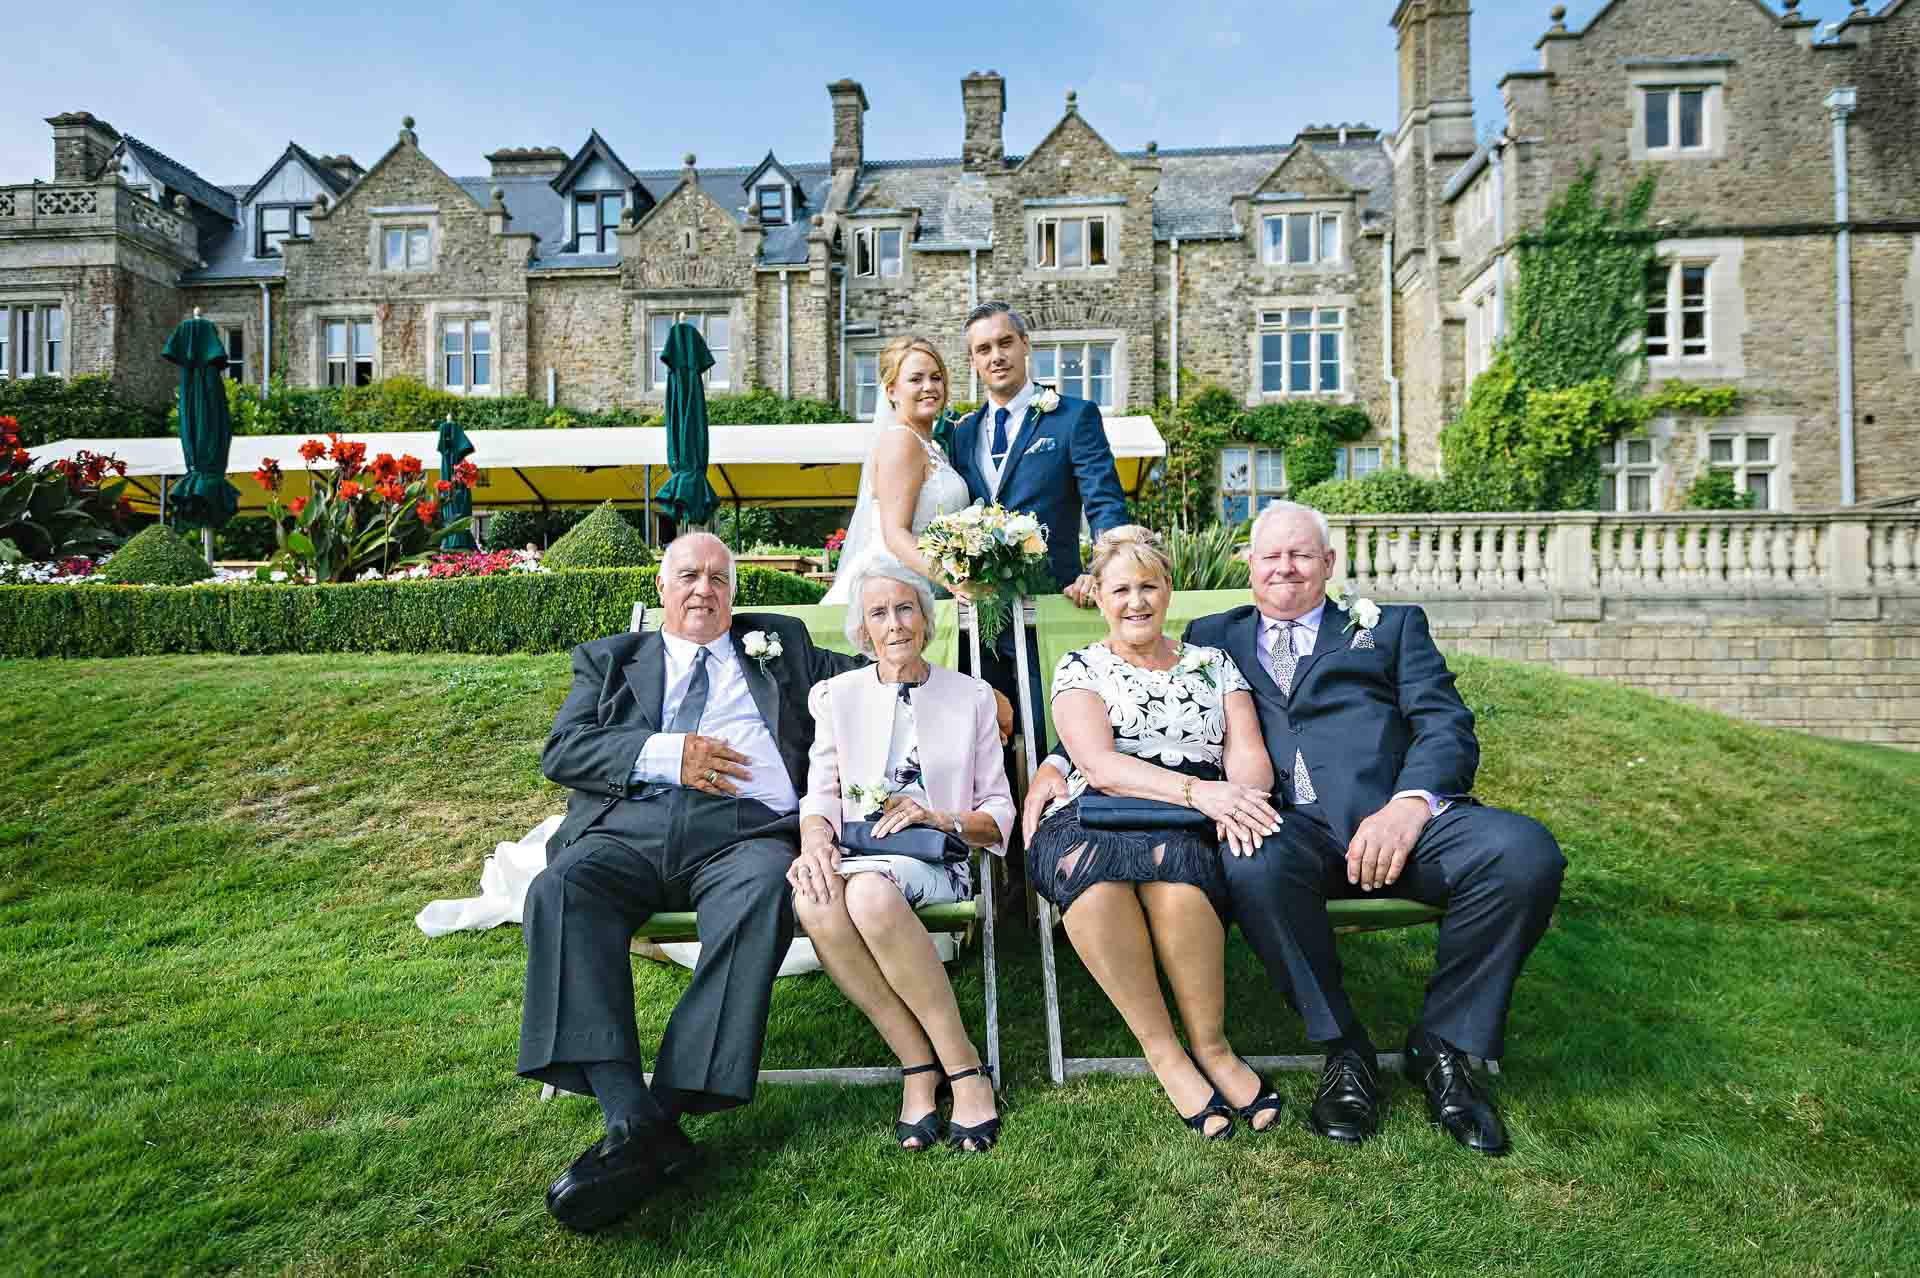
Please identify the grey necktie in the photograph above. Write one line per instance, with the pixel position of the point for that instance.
(694, 703)
(1281, 663)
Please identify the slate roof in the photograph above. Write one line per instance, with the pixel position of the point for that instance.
(1194, 201)
(226, 253)
(179, 177)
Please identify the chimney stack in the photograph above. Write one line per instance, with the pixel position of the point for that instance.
(528, 161)
(343, 166)
(82, 144)
(984, 96)
(849, 125)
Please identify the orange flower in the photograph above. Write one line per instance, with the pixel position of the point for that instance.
(385, 468)
(409, 464)
(348, 454)
(313, 450)
(393, 492)
(350, 490)
(466, 474)
(269, 474)
(297, 505)
(440, 486)
(427, 510)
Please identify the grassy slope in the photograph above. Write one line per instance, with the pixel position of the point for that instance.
(224, 1046)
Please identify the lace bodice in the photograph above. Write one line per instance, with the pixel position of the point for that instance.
(942, 492)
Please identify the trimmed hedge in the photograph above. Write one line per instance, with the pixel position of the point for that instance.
(156, 556)
(517, 612)
(602, 540)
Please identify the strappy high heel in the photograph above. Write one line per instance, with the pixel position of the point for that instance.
(1216, 1107)
(930, 1129)
(1266, 1101)
(983, 1135)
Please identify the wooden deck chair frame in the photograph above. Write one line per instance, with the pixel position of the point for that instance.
(957, 917)
(1364, 915)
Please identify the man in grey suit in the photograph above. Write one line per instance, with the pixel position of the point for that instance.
(686, 756)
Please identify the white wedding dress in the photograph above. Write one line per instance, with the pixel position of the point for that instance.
(942, 493)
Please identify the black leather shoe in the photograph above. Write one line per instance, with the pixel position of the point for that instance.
(1346, 1108)
(1456, 1101)
(618, 1172)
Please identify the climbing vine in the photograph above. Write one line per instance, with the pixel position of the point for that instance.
(1567, 379)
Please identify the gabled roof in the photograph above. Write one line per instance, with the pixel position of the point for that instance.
(326, 176)
(594, 148)
(769, 165)
(171, 173)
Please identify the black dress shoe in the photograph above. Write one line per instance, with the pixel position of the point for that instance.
(1347, 1106)
(618, 1172)
(1456, 1101)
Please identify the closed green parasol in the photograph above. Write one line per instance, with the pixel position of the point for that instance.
(457, 503)
(687, 496)
(202, 498)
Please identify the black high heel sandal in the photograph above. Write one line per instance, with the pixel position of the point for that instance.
(1265, 1101)
(983, 1135)
(930, 1129)
(1216, 1107)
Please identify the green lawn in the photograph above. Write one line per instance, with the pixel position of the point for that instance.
(225, 1047)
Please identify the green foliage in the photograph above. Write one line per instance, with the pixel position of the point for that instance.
(1384, 492)
(64, 508)
(1206, 558)
(83, 407)
(744, 526)
(245, 537)
(764, 408)
(506, 612)
(602, 540)
(1691, 399)
(1308, 430)
(1715, 490)
(155, 556)
(513, 529)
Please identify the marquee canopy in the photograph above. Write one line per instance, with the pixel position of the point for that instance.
(810, 465)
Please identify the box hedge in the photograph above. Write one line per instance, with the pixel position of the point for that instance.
(537, 612)
(602, 540)
(156, 556)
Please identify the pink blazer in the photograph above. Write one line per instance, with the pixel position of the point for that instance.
(960, 759)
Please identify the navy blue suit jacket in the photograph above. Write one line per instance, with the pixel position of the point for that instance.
(1057, 463)
(1370, 721)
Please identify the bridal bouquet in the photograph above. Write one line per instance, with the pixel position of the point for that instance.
(997, 553)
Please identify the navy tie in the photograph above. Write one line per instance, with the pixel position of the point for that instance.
(1000, 416)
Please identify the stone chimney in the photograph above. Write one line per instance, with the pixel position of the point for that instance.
(344, 167)
(849, 125)
(983, 94)
(1436, 78)
(82, 145)
(528, 161)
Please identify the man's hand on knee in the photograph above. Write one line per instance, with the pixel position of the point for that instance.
(1382, 843)
(709, 764)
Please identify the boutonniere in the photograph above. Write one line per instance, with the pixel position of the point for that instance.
(871, 796)
(1361, 612)
(1045, 400)
(762, 647)
(1194, 661)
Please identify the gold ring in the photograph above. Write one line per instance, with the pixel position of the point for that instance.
(712, 776)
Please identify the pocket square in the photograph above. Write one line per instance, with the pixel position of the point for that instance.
(1364, 639)
(1044, 444)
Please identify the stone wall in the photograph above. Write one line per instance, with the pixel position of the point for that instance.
(1857, 680)
(579, 325)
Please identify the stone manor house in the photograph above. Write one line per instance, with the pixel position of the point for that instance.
(1342, 263)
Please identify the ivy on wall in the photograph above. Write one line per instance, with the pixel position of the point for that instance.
(1566, 381)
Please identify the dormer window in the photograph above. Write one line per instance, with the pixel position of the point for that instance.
(772, 202)
(1301, 239)
(408, 248)
(277, 222)
(876, 252)
(596, 219)
(1069, 243)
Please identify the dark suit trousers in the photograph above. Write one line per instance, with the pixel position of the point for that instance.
(1496, 873)
(1003, 676)
(725, 858)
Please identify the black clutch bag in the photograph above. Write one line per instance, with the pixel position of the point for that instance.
(921, 842)
(1140, 816)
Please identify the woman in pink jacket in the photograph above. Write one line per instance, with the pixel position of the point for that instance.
(902, 748)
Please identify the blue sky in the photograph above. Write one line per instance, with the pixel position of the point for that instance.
(223, 87)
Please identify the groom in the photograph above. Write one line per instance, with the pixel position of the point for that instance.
(685, 756)
(1035, 450)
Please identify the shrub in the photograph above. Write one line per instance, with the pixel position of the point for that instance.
(83, 407)
(63, 509)
(505, 612)
(156, 556)
(360, 516)
(1206, 559)
(1715, 490)
(602, 540)
(1384, 492)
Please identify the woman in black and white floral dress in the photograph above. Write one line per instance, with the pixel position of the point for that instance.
(1143, 716)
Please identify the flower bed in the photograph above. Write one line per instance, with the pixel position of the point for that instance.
(503, 611)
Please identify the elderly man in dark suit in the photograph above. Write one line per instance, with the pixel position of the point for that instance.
(686, 752)
(1376, 754)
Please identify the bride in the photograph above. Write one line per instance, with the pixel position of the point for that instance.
(907, 481)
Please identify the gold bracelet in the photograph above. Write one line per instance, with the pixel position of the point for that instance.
(1186, 792)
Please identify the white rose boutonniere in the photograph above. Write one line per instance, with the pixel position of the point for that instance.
(762, 647)
(1045, 400)
(1364, 613)
(1194, 661)
(871, 797)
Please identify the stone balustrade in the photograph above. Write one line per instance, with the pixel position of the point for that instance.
(91, 207)
(1847, 564)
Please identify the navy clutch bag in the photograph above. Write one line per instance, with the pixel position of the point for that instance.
(1139, 816)
(921, 842)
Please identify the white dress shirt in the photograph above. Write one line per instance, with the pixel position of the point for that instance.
(730, 715)
(1016, 414)
(1306, 633)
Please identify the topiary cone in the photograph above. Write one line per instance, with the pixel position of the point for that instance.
(602, 540)
(156, 556)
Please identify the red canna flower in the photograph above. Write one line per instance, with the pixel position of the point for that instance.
(427, 510)
(385, 468)
(295, 506)
(442, 487)
(409, 464)
(21, 457)
(350, 490)
(313, 450)
(349, 455)
(119, 467)
(466, 474)
(392, 491)
(268, 475)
